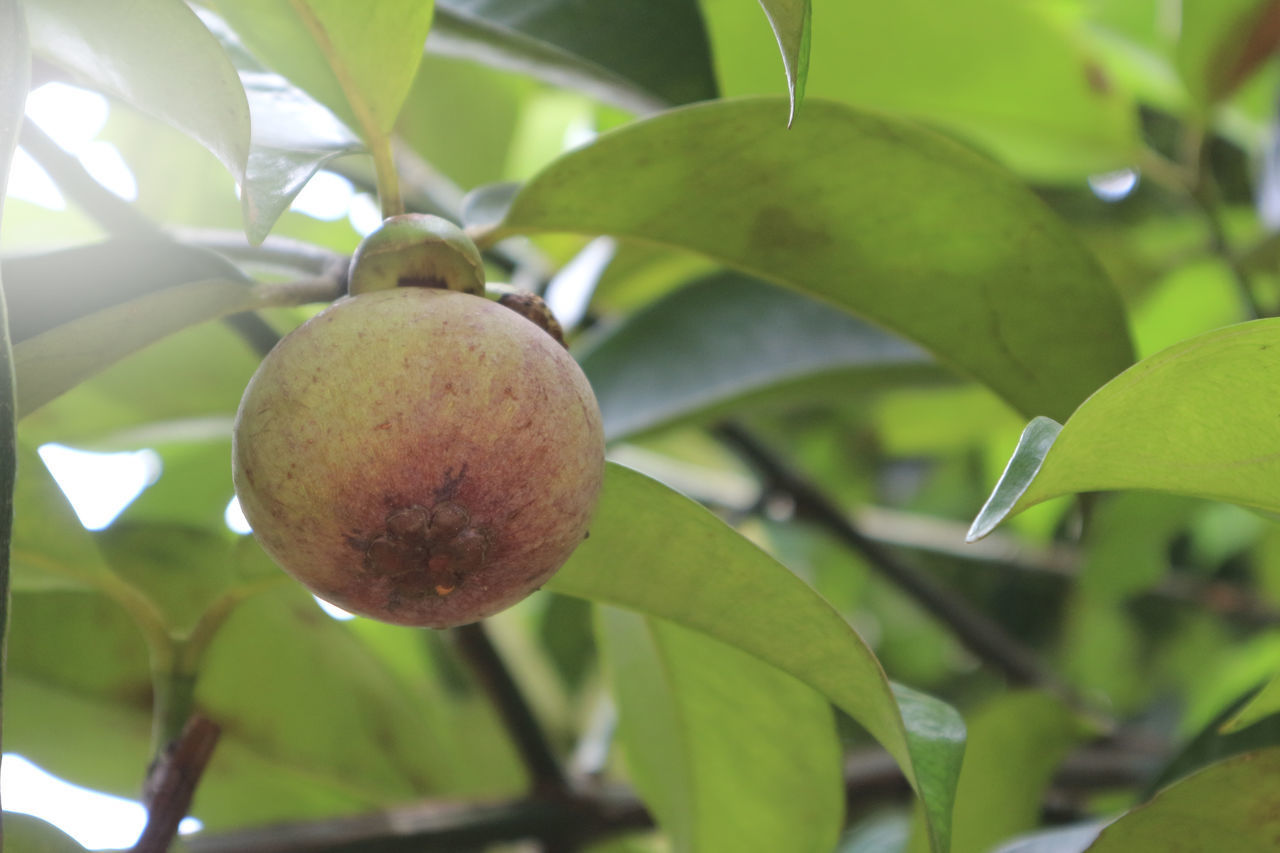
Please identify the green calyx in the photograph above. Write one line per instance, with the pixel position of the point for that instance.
(417, 250)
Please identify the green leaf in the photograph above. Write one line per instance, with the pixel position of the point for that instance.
(876, 216)
(195, 486)
(182, 570)
(1222, 737)
(1261, 706)
(183, 388)
(1014, 747)
(1028, 457)
(32, 835)
(711, 733)
(1189, 420)
(637, 56)
(1128, 541)
(50, 547)
(294, 136)
(725, 337)
(55, 361)
(1073, 838)
(357, 59)
(15, 78)
(656, 552)
(792, 22)
(156, 55)
(48, 289)
(1221, 43)
(1227, 806)
(1008, 76)
(316, 724)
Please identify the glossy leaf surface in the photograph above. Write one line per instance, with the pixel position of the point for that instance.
(293, 137)
(118, 49)
(875, 216)
(792, 21)
(358, 60)
(653, 551)
(1191, 420)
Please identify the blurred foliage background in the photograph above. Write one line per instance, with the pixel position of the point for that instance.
(1099, 177)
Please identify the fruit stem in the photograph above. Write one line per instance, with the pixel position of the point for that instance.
(376, 134)
(388, 178)
(174, 695)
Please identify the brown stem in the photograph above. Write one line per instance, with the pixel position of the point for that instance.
(172, 781)
(531, 742)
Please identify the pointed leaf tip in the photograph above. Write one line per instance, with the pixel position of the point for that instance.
(791, 21)
(1023, 466)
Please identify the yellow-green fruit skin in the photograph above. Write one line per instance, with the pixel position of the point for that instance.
(423, 457)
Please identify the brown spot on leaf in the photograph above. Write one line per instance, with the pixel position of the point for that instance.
(1096, 76)
(776, 228)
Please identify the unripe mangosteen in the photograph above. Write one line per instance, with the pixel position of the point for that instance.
(423, 457)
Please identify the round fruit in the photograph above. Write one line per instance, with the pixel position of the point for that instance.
(417, 250)
(423, 457)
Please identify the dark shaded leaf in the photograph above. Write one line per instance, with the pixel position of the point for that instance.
(722, 338)
(638, 56)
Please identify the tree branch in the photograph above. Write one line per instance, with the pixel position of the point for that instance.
(871, 777)
(443, 827)
(477, 650)
(282, 253)
(120, 219)
(172, 782)
(111, 213)
(1182, 585)
(978, 633)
